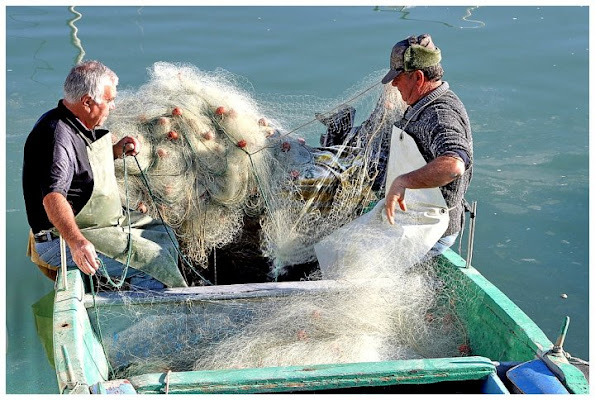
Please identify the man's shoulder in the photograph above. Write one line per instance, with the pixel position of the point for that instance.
(452, 97)
(444, 95)
(51, 129)
(448, 104)
(52, 119)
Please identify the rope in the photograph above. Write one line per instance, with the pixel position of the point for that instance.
(315, 119)
(119, 284)
(336, 108)
(99, 326)
(167, 375)
(173, 241)
(75, 40)
(576, 359)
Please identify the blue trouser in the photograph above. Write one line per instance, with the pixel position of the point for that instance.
(442, 244)
(49, 252)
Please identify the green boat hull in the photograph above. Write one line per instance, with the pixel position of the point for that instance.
(497, 330)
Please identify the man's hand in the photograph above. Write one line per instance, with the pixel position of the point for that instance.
(396, 194)
(84, 255)
(128, 145)
(61, 216)
(438, 172)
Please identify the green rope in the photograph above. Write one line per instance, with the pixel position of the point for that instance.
(120, 283)
(115, 284)
(174, 242)
(100, 334)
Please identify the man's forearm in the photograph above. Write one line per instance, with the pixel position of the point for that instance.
(439, 172)
(61, 216)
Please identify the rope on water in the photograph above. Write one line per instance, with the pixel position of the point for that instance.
(75, 40)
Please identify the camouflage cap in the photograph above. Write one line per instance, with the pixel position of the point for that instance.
(411, 54)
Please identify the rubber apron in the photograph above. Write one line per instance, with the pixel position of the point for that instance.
(413, 234)
(103, 223)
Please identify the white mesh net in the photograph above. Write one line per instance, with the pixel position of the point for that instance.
(230, 171)
(213, 157)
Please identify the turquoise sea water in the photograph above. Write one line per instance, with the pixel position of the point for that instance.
(521, 71)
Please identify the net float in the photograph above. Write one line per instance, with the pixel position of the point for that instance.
(142, 207)
(176, 111)
(269, 132)
(302, 334)
(465, 349)
(173, 135)
(162, 153)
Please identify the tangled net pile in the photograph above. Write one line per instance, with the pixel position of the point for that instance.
(215, 157)
(408, 315)
(212, 158)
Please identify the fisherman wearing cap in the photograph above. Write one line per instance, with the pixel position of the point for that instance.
(437, 121)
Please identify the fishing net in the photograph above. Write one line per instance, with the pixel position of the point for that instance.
(247, 179)
(410, 316)
(212, 157)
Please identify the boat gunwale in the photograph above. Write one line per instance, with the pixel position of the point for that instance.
(318, 377)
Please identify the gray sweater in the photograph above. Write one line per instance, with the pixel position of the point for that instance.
(440, 126)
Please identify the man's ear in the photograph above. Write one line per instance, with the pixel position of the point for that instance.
(420, 78)
(86, 100)
(419, 75)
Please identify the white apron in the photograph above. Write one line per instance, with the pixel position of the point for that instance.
(371, 238)
(103, 223)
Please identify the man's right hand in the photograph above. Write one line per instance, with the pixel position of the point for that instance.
(84, 255)
(61, 216)
(394, 196)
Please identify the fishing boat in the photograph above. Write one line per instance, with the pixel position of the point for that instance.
(506, 351)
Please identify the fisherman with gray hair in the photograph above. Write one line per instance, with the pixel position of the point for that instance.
(70, 191)
(437, 121)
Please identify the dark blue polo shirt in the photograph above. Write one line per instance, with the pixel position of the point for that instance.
(55, 160)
